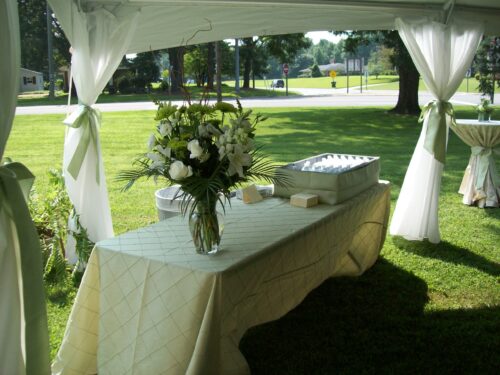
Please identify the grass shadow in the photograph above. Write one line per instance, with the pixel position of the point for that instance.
(371, 325)
(450, 253)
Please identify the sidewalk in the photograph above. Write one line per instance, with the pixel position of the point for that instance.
(310, 98)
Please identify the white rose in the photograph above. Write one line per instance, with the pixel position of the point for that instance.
(179, 171)
(195, 149)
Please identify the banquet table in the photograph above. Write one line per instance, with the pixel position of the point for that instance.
(149, 304)
(481, 182)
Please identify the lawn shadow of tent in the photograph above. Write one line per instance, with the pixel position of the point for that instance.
(374, 324)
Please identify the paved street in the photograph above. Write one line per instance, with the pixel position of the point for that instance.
(310, 98)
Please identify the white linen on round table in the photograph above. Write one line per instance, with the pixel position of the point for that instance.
(484, 134)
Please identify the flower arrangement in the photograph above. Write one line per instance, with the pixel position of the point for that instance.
(484, 109)
(207, 150)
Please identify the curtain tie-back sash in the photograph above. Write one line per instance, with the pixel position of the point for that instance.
(15, 184)
(485, 160)
(89, 119)
(435, 136)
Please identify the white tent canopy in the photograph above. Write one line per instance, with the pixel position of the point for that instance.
(170, 23)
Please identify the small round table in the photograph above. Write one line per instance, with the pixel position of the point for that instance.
(481, 182)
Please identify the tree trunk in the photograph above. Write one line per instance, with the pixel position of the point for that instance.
(247, 67)
(408, 91)
(210, 65)
(247, 61)
(218, 72)
(176, 58)
(253, 78)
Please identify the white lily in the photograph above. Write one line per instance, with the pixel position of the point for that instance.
(237, 160)
(151, 141)
(157, 160)
(165, 129)
(166, 151)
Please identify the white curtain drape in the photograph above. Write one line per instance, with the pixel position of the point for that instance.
(99, 39)
(23, 320)
(11, 355)
(442, 53)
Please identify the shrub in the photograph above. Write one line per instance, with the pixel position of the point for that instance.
(124, 83)
(164, 85)
(50, 215)
(315, 72)
(139, 84)
(59, 84)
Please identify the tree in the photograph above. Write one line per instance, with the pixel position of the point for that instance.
(176, 58)
(487, 65)
(408, 73)
(380, 61)
(323, 52)
(286, 47)
(253, 56)
(247, 54)
(302, 62)
(196, 63)
(33, 33)
(145, 67)
(210, 65)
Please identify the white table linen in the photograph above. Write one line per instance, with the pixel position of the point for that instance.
(148, 304)
(479, 188)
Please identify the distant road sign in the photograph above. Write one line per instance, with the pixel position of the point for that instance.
(354, 65)
(285, 68)
(333, 74)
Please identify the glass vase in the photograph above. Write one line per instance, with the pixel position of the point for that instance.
(481, 116)
(206, 225)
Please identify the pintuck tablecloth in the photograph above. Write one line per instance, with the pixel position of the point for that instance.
(481, 182)
(148, 304)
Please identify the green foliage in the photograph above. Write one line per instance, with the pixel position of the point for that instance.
(380, 62)
(59, 84)
(50, 214)
(286, 47)
(302, 62)
(125, 84)
(33, 34)
(196, 63)
(195, 148)
(315, 72)
(145, 66)
(487, 65)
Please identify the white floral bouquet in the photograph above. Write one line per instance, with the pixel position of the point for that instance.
(206, 149)
(484, 106)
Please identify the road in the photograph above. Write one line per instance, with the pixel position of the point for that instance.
(309, 98)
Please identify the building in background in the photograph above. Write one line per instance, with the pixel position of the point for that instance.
(30, 80)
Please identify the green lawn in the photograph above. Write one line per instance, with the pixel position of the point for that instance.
(471, 86)
(42, 97)
(380, 83)
(322, 82)
(421, 309)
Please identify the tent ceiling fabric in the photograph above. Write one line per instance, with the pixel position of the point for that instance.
(168, 23)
